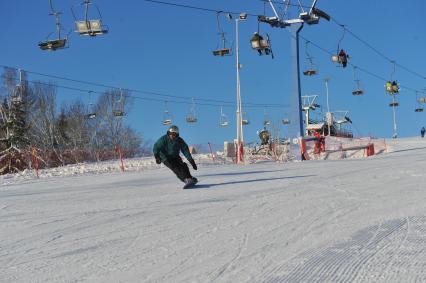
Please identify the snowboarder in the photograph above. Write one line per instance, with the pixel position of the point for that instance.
(343, 58)
(422, 132)
(166, 150)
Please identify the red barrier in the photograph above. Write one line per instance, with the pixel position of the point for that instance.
(370, 149)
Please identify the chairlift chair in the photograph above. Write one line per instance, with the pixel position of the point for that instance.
(91, 115)
(223, 119)
(167, 117)
(191, 118)
(266, 120)
(341, 56)
(391, 88)
(285, 121)
(357, 92)
(54, 44)
(261, 44)
(117, 113)
(90, 27)
(224, 51)
(167, 122)
(118, 106)
(245, 119)
(311, 70)
(419, 100)
(393, 104)
(340, 59)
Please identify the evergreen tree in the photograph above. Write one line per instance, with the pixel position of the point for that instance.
(14, 139)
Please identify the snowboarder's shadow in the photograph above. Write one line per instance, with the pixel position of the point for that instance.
(242, 173)
(211, 186)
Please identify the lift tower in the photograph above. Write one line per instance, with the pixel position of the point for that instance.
(295, 26)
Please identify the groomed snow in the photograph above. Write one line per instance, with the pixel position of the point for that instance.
(352, 220)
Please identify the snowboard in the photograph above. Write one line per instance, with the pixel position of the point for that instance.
(189, 185)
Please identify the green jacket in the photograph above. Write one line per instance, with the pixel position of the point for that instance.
(167, 149)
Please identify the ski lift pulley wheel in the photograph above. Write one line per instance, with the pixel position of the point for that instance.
(358, 92)
(52, 45)
(245, 122)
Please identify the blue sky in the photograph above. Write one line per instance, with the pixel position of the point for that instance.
(167, 50)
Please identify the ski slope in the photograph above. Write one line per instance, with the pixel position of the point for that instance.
(353, 220)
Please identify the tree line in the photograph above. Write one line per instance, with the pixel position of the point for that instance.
(33, 127)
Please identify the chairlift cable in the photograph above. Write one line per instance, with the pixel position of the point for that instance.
(219, 103)
(378, 52)
(288, 4)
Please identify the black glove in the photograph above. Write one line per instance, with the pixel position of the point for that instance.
(193, 164)
(157, 159)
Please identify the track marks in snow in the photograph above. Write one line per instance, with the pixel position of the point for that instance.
(228, 265)
(388, 252)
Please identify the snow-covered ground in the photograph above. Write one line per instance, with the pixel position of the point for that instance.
(351, 220)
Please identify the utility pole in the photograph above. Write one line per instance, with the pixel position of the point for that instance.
(329, 117)
(240, 140)
(395, 133)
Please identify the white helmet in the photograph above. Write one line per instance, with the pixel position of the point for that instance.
(173, 129)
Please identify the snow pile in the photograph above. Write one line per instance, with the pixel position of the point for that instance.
(94, 168)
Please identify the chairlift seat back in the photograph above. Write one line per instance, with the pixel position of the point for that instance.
(52, 45)
(222, 52)
(357, 92)
(191, 119)
(118, 113)
(167, 122)
(91, 115)
(310, 72)
(90, 27)
(260, 44)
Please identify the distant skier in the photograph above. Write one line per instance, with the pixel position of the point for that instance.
(422, 132)
(167, 149)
